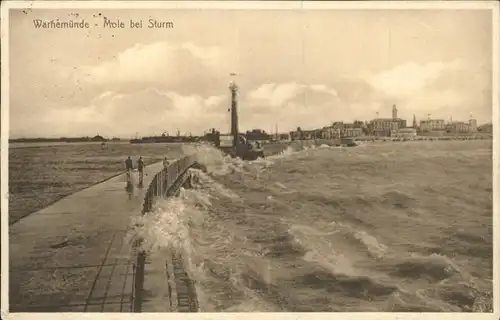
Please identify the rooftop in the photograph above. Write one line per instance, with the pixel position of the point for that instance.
(388, 119)
(429, 120)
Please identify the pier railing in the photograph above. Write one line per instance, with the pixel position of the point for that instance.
(165, 180)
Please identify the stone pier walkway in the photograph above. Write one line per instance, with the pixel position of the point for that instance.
(166, 280)
(74, 256)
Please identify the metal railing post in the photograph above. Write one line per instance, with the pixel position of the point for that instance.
(158, 190)
(165, 176)
(150, 196)
(178, 170)
(161, 182)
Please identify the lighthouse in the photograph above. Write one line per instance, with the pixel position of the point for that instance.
(233, 143)
(234, 112)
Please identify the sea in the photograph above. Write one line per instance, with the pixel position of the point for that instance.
(382, 227)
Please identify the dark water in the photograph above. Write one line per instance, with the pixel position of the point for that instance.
(40, 174)
(380, 227)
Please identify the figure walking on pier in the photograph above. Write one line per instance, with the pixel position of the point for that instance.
(140, 168)
(128, 167)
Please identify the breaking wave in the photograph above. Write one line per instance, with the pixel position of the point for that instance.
(326, 229)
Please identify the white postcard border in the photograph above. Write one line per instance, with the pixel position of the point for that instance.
(245, 5)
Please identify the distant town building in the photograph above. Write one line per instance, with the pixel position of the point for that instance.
(295, 135)
(308, 134)
(283, 136)
(317, 133)
(352, 132)
(485, 128)
(300, 134)
(430, 125)
(472, 125)
(462, 126)
(459, 127)
(384, 126)
(98, 138)
(358, 124)
(340, 129)
(405, 133)
(257, 135)
(338, 125)
(400, 122)
(330, 133)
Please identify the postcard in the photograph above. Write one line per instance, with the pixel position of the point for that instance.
(223, 159)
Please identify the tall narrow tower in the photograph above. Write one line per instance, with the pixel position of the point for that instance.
(394, 112)
(414, 121)
(234, 112)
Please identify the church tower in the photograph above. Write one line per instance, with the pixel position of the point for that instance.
(394, 112)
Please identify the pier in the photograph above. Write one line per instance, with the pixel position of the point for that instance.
(75, 256)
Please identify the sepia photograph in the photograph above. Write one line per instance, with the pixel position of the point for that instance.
(249, 157)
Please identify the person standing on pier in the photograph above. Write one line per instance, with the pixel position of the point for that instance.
(128, 167)
(140, 168)
(165, 162)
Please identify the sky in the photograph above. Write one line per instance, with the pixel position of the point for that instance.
(294, 68)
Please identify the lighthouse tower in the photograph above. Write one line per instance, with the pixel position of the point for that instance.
(234, 112)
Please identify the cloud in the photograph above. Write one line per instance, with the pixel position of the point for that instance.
(145, 112)
(408, 79)
(184, 67)
(157, 61)
(153, 111)
(145, 88)
(353, 89)
(214, 101)
(277, 95)
(439, 88)
(288, 104)
(324, 88)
